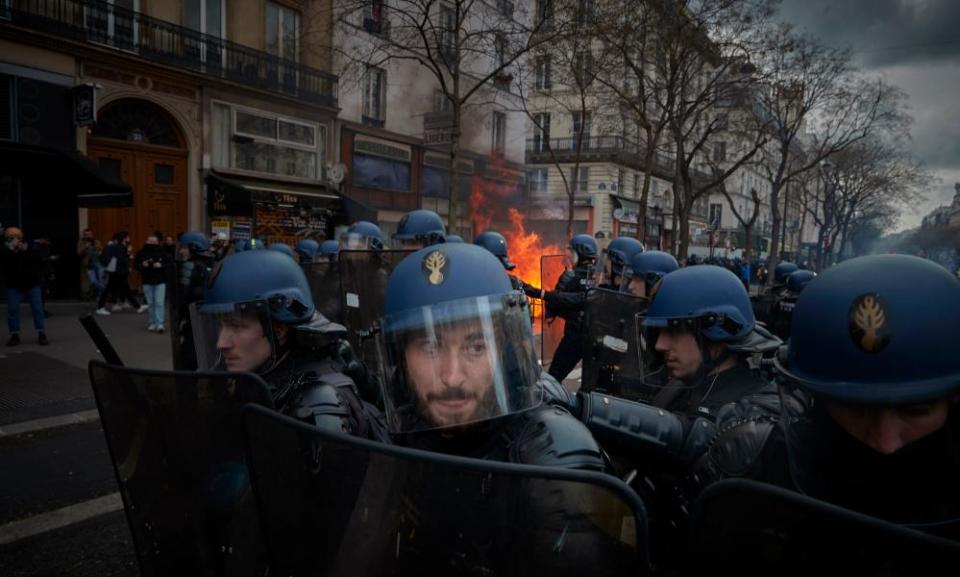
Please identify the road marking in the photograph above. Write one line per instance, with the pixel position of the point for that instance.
(35, 425)
(59, 518)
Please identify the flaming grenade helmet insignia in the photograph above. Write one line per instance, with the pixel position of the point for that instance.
(433, 265)
(868, 320)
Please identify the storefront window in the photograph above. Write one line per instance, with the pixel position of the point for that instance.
(380, 173)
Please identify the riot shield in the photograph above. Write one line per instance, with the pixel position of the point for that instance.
(175, 439)
(750, 528)
(550, 327)
(324, 280)
(335, 505)
(612, 355)
(363, 286)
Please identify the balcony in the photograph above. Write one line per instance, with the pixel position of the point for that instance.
(596, 149)
(101, 24)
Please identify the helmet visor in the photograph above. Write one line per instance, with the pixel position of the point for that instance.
(639, 284)
(236, 339)
(458, 363)
(357, 241)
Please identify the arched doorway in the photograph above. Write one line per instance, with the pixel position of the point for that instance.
(138, 142)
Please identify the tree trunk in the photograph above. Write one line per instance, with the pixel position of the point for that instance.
(453, 219)
(684, 231)
(748, 242)
(648, 157)
(774, 255)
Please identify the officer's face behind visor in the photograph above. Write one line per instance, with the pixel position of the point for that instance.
(458, 362)
(241, 342)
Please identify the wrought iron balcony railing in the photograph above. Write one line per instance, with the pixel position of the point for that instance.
(104, 24)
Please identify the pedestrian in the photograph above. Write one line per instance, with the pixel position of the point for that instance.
(116, 260)
(91, 271)
(22, 268)
(152, 261)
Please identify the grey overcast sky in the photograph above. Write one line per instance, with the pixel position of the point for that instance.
(914, 44)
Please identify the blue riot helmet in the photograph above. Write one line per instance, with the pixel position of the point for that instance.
(615, 257)
(248, 244)
(711, 303)
(419, 228)
(284, 248)
(196, 241)
(248, 294)
(584, 247)
(798, 279)
(645, 271)
(454, 238)
(329, 250)
(782, 270)
(307, 249)
(455, 340)
(870, 335)
(362, 235)
(497, 245)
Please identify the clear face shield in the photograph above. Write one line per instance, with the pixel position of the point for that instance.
(673, 351)
(356, 241)
(458, 363)
(236, 340)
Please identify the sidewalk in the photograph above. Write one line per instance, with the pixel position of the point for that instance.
(38, 382)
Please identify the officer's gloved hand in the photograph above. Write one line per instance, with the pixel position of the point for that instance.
(532, 291)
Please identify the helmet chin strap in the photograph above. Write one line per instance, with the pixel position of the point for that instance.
(709, 364)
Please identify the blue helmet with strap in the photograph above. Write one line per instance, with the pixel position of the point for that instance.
(260, 278)
(195, 240)
(329, 247)
(284, 248)
(712, 301)
(584, 245)
(618, 253)
(798, 280)
(651, 265)
(496, 244)
(782, 270)
(362, 235)
(424, 226)
(307, 248)
(876, 330)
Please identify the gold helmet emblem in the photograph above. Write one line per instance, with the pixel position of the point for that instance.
(868, 323)
(434, 265)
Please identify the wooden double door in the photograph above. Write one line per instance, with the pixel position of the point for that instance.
(158, 177)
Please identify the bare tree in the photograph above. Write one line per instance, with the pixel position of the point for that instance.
(471, 49)
(746, 221)
(811, 88)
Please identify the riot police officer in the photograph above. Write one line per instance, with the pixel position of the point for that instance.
(645, 271)
(307, 250)
(615, 258)
(454, 238)
(418, 229)
(460, 370)
(258, 315)
(782, 312)
(701, 323)
(362, 235)
(766, 303)
(497, 245)
(871, 379)
(193, 265)
(329, 250)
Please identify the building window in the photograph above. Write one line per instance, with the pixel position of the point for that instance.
(500, 50)
(282, 31)
(440, 102)
(375, 97)
(261, 141)
(499, 133)
(109, 22)
(541, 132)
(374, 17)
(5, 9)
(621, 176)
(543, 80)
(582, 124)
(716, 215)
(448, 31)
(720, 151)
(581, 177)
(636, 185)
(206, 17)
(545, 14)
(539, 180)
(585, 11)
(583, 68)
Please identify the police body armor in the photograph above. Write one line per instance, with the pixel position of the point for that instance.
(324, 280)
(612, 355)
(191, 277)
(363, 277)
(571, 281)
(175, 440)
(337, 505)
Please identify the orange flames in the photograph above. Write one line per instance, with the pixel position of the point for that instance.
(526, 249)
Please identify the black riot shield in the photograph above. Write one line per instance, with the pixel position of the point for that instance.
(335, 505)
(363, 286)
(612, 355)
(750, 528)
(550, 327)
(324, 280)
(175, 439)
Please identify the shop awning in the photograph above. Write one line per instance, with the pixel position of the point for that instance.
(234, 196)
(67, 170)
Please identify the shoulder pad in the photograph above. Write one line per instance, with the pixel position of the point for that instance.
(737, 448)
(555, 394)
(552, 437)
